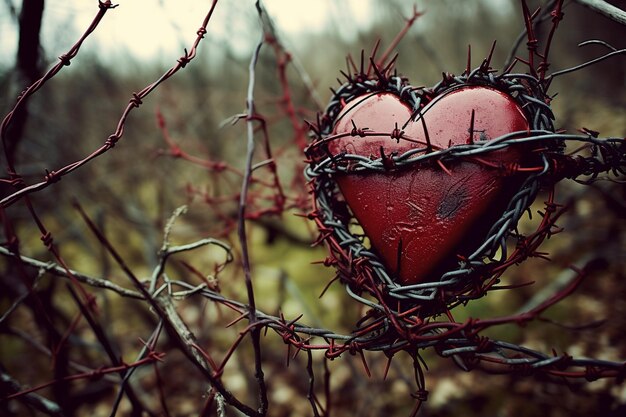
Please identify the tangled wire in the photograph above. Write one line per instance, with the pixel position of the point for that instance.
(404, 316)
(401, 316)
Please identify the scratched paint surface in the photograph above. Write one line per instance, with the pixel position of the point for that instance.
(419, 219)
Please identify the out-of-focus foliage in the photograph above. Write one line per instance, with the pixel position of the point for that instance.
(132, 191)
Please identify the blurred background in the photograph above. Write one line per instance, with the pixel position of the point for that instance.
(195, 157)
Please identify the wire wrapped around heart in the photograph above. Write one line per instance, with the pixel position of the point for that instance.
(366, 275)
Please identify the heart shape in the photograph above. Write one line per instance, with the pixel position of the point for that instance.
(418, 219)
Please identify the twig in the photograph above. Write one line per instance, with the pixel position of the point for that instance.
(381, 62)
(311, 392)
(557, 16)
(178, 329)
(37, 345)
(57, 270)
(150, 345)
(22, 297)
(605, 9)
(255, 332)
(543, 16)
(112, 351)
(166, 250)
(563, 280)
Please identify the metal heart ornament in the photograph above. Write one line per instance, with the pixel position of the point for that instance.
(422, 218)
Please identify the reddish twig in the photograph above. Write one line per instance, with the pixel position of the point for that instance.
(557, 16)
(382, 61)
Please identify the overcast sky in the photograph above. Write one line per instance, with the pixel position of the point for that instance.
(158, 29)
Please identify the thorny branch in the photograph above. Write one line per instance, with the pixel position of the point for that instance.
(360, 269)
(178, 329)
(163, 304)
(385, 327)
(544, 14)
(382, 61)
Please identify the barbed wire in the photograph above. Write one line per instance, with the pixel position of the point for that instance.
(608, 156)
(365, 275)
(412, 325)
(450, 339)
(53, 176)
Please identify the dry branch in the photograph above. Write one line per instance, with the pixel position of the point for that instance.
(606, 9)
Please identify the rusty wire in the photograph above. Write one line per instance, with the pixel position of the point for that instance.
(135, 101)
(491, 255)
(364, 274)
(383, 329)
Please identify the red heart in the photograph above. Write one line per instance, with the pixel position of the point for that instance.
(419, 219)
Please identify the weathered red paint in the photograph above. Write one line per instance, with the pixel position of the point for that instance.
(419, 219)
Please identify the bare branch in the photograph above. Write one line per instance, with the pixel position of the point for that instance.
(606, 9)
(255, 331)
(177, 328)
(57, 270)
